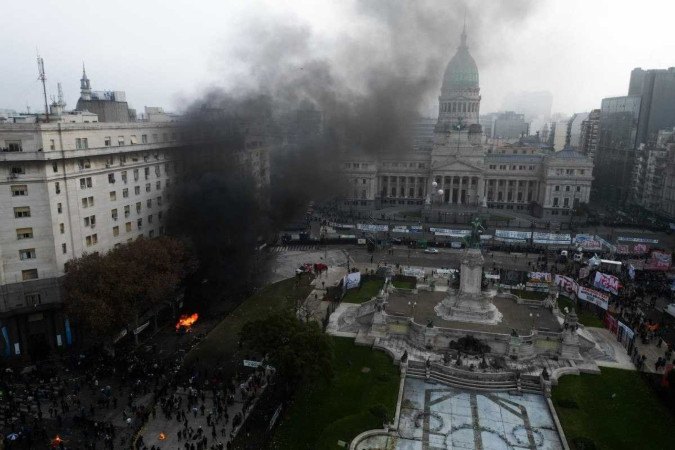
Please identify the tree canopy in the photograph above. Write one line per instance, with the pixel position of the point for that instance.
(108, 292)
(300, 351)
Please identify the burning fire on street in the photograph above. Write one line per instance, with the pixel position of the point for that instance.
(186, 321)
(162, 436)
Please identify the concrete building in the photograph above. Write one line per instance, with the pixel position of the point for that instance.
(574, 130)
(109, 106)
(73, 186)
(656, 88)
(469, 176)
(560, 134)
(507, 126)
(590, 134)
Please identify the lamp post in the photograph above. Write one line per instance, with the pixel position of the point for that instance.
(411, 306)
(435, 192)
(533, 318)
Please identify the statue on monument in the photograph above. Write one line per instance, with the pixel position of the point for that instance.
(473, 239)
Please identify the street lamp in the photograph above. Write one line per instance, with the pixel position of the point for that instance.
(434, 193)
(533, 318)
(411, 306)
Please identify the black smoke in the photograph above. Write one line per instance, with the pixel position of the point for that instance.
(313, 101)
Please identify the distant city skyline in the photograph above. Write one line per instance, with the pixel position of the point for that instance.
(166, 56)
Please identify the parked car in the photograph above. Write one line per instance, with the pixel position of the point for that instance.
(430, 250)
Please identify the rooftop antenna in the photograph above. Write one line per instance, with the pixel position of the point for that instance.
(43, 78)
(60, 95)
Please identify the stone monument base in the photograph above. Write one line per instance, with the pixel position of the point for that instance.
(469, 308)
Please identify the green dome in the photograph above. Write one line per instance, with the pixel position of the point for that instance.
(462, 72)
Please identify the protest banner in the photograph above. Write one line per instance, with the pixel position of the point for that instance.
(593, 296)
(608, 283)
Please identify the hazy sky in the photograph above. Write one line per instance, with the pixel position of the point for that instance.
(164, 53)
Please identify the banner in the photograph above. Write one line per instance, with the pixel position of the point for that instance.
(551, 238)
(444, 272)
(416, 228)
(491, 276)
(341, 225)
(372, 227)
(566, 283)
(587, 242)
(611, 247)
(539, 277)
(450, 233)
(400, 229)
(635, 239)
(352, 280)
(637, 249)
(626, 332)
(593, 296)
(413, 272)
(659, 261)
(513, 236)
(608, 283)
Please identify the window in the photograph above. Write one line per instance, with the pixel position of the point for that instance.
(113, 196)
(144, 138)
(123, 159)
(19, 189)
(566, 202)
(59, 208)
(155, 137)
(91, 240)
(150, 218)
(125, 193)
(582, 171)
(158, 170)
(555, 201)
(55, 167)
(81, 143)
(83, 163)
(138, 207)
(21, 211)
(135, 174)
(24, 233)
(113, 214)
(127, 210)
(139, 223)
(120, 140)
(14, 146)
(146, 172)
(159, 215)
(87, 202)
(557, 189)
(133, 140)
(90, 221)
(158, 185)
(137, 190)
(116, 231)
(148, 187)
(85, 183)
(148, 203)
(124, 177)
(128, 226)
(159, 201)
(57, 187)
(165, 137)
(107, 141)
(28, 253)
(151, 233)
(111, 178)
(17, 170)
(64, 248)
(567, 188)
(62, 228)
(52, 145)
(578, 188)
(30, 274)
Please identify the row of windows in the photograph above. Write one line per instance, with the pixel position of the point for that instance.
(570, 171)
(511, 167)
(567, 188)
(459, 107)
(83, 142)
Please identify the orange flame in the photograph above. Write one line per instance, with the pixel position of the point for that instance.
(162, 436)
(186, 321)
(56, 441)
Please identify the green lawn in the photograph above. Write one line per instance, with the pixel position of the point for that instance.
(220, 346)
(586, 317)
(368, 289)
(403, 284)
(633, 419)
(322, 415)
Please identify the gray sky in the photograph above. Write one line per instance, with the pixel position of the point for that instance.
(166, 52)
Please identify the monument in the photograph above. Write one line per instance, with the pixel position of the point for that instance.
(470, 303)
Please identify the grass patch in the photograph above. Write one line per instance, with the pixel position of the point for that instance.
(530, 295)
(586, 317)
(633, 419)
(403, 284)
(221, 347)
(323, 414)
(369, 288)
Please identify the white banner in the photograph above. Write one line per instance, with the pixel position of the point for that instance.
(566, 283)
(341, 225)
(400, 229)
(450, 233)
(413, 272)
(638, 240)
(551, 238)
(587, 242)
(352, 280)
(517, 236)
(593, 296)
(544, 277)
(372, 227)
(416, 228)
(491, 276)
(608, 283)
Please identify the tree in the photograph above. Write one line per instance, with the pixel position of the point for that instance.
(106, 293)
(299, 351)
